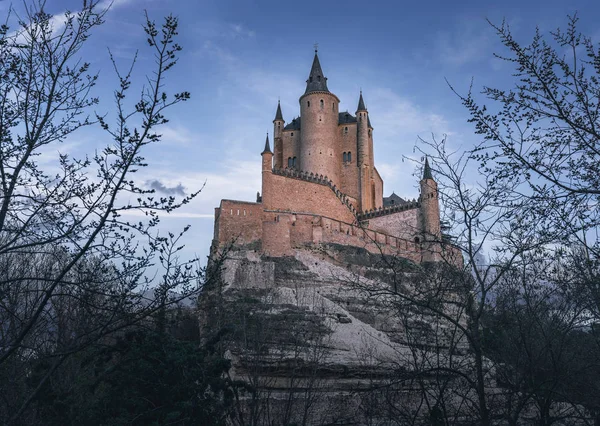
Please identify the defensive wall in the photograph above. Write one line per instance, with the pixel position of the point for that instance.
(287, 189)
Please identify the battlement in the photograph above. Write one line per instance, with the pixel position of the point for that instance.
(384, 211)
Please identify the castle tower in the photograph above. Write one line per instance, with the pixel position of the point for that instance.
(267, 173)
(319, 145)
(364, 156)
(429, 215)
(267, 157)
(278, 125)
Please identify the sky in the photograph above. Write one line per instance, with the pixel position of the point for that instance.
(240, 57)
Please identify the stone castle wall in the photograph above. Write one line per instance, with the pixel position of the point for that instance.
(298, 195)
(403, 223)
(238, 220)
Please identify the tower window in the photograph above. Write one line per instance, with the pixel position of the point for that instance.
(333, 106)
(319, 77)
(345, 156)
(349, 157)
(294, 162)
(308, 104)
(290, 163)
(292, 133)
(345, 130)
(322, 104)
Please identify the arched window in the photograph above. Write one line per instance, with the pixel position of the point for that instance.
(345, 157)
(294, 162)
(345, 130)
(333, 106)
(290, 164)
(308, 104)
(322, 104)
(349, 157)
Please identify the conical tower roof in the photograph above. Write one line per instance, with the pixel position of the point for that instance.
(361, 103)
(427, 170)
(278, 114)
(316, 82)
(267, 149)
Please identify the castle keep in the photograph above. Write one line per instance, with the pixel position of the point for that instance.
(320, 185)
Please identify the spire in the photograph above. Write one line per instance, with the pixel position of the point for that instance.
(427, 170)
(267, 149)
(316, 82)
(278, 114)
(361, 104)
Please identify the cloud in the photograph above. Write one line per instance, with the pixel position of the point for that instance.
(158, 186)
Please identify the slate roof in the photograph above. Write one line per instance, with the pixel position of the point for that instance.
(361, 103)
(267, 146)
(293, 125)
(393, 200)
(346, 117)
(316, 82)
(427, 170)
(278, 114)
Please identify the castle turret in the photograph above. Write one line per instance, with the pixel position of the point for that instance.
(320, 151)
(267, 157)
(430, 215)
(278, 125)
(364, 156)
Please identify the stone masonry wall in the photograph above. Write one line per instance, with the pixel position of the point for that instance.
(294, 195)
(402, 224)
(238, 220)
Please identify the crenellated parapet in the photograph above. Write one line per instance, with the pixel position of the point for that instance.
(383, 211)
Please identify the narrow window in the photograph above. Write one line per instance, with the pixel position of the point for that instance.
(349, 157)
(292, 133)
(231, 212)
(333, 106)
(289, 162)
(322, 104)
(244, 212)
(238, 212)
(308, 104)
(294, 162)
(319, 77)
(345, 156)
(278, 124)
(345, 130)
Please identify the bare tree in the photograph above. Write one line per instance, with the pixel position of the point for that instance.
(73, 268)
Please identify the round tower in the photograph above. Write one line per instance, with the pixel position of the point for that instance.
(430, 215)
(364, 155)
(319, 145)
(267, 174)
(278, 125)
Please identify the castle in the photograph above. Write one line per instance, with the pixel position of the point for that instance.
(320, 185)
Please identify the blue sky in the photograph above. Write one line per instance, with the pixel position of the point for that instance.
(239, 57)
